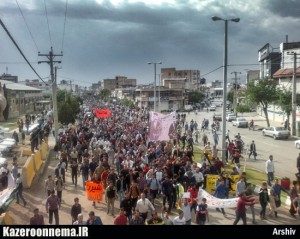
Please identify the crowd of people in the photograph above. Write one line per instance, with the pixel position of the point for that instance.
(136, 173)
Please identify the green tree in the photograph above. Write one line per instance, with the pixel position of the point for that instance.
(284, 101)
(263, 92)
(5, 112)
(230, 96)
(195, 97)
(242, 108)
(68, 106)
(104, 94)
(127, 102)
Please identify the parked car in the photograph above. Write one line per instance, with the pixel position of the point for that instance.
(212, 108)
(240, 122)
(276, 132)
(3, 162)
(230, 117)
(218, 117)
(297, 144)
(3, 130)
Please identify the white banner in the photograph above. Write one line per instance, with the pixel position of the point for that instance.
(213, 202)
(5, 194)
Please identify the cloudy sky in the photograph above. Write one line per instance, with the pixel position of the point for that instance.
(102, 39)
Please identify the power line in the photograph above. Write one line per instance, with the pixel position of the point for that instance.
(48, 23)
(63, 39)
(27, 26)
(10, 36)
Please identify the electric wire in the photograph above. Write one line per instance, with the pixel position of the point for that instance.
(48, 23)
(10, 36)
(27, 26)
(64, 30)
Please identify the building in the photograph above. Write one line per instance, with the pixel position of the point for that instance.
(9, 77)
(252, 75)
(192, 77)
(166, 99)
(283, 75)
(269, 59)
(21, 99)
(118, 82)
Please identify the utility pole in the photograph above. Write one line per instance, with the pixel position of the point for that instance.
(235, 89)
(51, 62)
(294, 98)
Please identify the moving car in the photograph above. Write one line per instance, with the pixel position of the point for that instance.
(240, 122)
(297, 144)
(276, 132)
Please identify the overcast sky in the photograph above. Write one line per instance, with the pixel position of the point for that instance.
(102, 39)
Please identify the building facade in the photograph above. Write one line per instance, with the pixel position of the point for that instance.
(21, 98)
(192, 77)
(118, 82)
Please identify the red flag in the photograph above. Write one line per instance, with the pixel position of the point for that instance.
(102, 113)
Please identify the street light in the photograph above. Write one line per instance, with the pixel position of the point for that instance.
(214, 18)
(154, 63)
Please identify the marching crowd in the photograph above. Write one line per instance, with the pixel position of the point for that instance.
(136, 172)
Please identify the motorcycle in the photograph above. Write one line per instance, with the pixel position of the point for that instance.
(251, 125)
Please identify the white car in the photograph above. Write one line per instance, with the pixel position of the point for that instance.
(212, 108)
(9, 144)
(276, 132)
(3, 130)
(297, 144)
(230, 117)
(240, 122)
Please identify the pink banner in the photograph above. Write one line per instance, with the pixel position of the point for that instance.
(162, 127)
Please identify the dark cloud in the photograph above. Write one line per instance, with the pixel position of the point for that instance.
(283, 8)
(103, 40)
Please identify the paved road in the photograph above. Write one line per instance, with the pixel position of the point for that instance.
(36, 197)
(284, 151)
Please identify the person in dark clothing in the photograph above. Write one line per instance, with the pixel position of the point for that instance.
(253, 150)
(298, 163)
(263, 199)
(74, 171)
(166, 188)
(75, 210)
(93, 220)
(126, 204)
(19, 189)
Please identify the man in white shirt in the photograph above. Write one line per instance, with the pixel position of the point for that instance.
(186, 208)
(179, 220)
(270, 170)
(198, 177)
(143, 205)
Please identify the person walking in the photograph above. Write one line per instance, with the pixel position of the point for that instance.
(19, 189)
(49, 185)
(110, 197)
(93, 220)
(52, 206)
(250, 193)
(75, 210)
(298, 163)
(59, 186)
(241, 208)
(263, 199)
(253, 150)
(37, 218)
(270, 170)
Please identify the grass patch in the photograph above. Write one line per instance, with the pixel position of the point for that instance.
(10, 123)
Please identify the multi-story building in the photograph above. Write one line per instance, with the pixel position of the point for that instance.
(192, 77)
(166, 99)
(118, 82)
(283, 75)
(269, 59)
